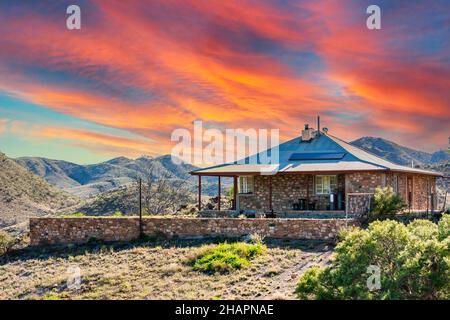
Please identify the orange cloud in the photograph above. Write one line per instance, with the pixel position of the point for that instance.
(150, 68)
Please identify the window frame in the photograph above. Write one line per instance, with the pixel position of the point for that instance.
(326, 185)
(244, 185)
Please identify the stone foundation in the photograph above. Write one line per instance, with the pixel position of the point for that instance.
(83, 229)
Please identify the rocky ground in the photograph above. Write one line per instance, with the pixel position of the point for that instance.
(153, 270)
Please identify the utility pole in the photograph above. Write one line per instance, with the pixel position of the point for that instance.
(141, 231)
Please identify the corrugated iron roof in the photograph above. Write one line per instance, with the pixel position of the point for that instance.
(354, 159)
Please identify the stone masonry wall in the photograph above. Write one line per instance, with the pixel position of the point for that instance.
(360, 185)
(82, 229)
(286, 190)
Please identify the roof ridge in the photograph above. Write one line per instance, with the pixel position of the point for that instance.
(377, 157)
(368, 152)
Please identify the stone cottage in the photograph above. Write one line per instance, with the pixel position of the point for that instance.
(320, 173)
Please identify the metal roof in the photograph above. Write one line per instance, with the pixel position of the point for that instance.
(314, 159)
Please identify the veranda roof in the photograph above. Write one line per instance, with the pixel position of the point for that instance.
(324, 153)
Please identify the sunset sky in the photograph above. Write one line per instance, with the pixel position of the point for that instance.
(137, 70)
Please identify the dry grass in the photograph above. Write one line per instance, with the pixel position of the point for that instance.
(153, 270)
(24, 195)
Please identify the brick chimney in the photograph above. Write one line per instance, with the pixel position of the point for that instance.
(308, 133)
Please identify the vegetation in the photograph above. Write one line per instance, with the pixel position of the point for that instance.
(413, 260)
(226, 257)
(387, 202)
(155, 269)
(76, 214)
(444, 227)
(118, 213)
(6, 242)
(161, 194)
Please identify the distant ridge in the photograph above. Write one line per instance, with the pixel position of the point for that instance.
(90, 180)
(399, 154)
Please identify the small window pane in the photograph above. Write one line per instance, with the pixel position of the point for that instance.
(246, 184)
(325, 184)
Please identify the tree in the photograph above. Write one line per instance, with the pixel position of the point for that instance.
(387, 202)
(412, 261)
(161, 194)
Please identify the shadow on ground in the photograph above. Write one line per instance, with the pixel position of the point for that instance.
(46, 252)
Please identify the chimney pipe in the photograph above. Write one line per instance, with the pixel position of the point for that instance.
(318, 124)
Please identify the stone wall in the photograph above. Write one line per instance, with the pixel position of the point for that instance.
(286, 190)
(360, 186)
(289, 188)
(82, 229)
(422, 187)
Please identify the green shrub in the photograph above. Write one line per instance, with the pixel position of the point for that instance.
(225, 257)
(6, 242)
(387, 202)
(118, 213)
(413, 260)
(444, 227)
(423, 229)
(76, 214)
(51, 296)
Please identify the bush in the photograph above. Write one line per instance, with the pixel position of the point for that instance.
(387, 202)
(117, 213)
(76, 214)
(413, 260)
(6, 242)
(225, 257)
(256, 238)
(444, 227)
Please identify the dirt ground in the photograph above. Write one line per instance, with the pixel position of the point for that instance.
(153, 270)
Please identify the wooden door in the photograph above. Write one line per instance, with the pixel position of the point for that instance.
(409, 190)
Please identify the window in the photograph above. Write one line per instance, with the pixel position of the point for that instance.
(246, 184)
(326, 184)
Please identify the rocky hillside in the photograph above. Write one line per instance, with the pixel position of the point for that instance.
(123, 200)
(89, 180)
(399, 154)
(23, 194)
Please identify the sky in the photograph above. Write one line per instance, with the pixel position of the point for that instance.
(137, 70)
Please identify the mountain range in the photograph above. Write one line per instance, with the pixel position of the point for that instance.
(31, 186)
(90, 180)
(399, 154)
(87, 181)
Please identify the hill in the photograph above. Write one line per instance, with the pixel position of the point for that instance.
(23, 194)
(90, 180)
(399, 154)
